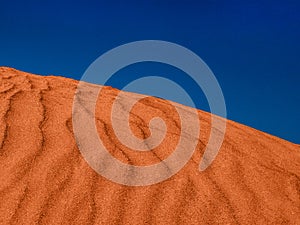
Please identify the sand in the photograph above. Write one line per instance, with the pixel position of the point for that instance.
(44, 179)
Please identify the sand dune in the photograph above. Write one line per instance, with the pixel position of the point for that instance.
(255, 178)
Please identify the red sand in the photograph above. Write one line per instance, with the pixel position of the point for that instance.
(255, 179)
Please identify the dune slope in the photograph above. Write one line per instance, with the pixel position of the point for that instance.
(255, 178)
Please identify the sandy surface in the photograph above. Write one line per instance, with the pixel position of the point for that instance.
(255, 179)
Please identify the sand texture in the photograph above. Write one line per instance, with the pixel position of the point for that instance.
(255, 178)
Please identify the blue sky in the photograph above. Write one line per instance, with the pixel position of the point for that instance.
(251, 46)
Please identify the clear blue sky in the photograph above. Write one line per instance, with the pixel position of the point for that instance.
(252, 47)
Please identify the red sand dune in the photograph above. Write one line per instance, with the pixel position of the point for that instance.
(255, 178)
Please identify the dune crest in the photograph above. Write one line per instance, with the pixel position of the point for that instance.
(255, 178)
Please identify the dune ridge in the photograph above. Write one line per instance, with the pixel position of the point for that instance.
(255, 179)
